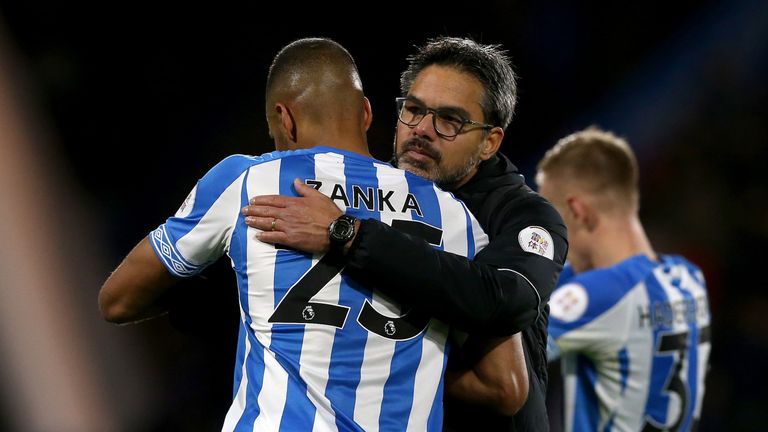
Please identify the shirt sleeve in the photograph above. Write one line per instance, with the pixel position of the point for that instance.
(200, 231)
(588, 316)
(502, 291)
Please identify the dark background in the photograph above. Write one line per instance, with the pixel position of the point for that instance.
(140, 100)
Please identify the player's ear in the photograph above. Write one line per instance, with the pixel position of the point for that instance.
(287, 122)
(491, 143)
(367, 114)
(582, 213)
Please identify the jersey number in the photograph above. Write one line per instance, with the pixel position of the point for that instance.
(670, 343)
(296, 306)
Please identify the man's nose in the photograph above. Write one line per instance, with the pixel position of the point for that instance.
(426, 127)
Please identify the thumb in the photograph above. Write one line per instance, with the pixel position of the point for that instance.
(304, 189)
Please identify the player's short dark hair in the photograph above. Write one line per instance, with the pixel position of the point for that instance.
(307, 53)
(489, 64)
(317, 64)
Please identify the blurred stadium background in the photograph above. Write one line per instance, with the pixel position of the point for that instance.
(109, 113)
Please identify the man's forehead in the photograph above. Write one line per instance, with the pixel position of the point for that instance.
(441, 86)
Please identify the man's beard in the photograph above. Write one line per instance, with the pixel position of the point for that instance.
(445, 178)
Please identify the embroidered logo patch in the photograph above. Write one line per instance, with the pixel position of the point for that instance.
(187, 205)
(537, 240)
(569, 302)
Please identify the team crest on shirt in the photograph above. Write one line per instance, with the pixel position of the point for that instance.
(569, 302)
(535, 239)
(187, 205)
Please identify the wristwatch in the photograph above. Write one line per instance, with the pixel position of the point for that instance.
(341, 230)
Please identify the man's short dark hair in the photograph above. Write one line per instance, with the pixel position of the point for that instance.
(489, 64)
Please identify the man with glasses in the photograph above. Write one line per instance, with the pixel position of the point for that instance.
(459, 98)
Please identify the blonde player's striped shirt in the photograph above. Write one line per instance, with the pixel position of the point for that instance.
(635, 345)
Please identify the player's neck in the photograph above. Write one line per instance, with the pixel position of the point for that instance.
(348, 139)
(618, 239)
(359, 147)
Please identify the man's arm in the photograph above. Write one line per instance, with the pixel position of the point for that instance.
(485, 294)
(490, 372)
(133, 291)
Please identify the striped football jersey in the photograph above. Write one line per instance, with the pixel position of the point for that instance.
(317, 351)
(634, 340)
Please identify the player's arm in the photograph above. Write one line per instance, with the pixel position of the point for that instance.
(587, 318)
(134, 290)
(489, 371)
(500, 292)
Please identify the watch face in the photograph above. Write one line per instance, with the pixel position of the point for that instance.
(342, 229)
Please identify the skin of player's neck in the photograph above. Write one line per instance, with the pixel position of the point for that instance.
(617, 238)
(340, 136)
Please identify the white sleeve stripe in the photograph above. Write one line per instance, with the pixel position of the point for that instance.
(172, 259)
(538, 296)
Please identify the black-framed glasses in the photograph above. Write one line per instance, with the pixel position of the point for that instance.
(447, 122)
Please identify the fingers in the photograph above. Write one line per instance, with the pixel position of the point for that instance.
(262, 223)
(270, 229)
(304, 189)
(273, 237)
(271, 200)
(262, 211)
(316, 202)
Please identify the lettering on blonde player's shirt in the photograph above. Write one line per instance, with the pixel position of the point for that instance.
(665, 314)
(373, 199)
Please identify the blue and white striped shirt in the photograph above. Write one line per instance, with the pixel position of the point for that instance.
(316, 350)
(635, 343)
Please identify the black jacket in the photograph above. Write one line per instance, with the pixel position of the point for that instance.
(504, 290)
